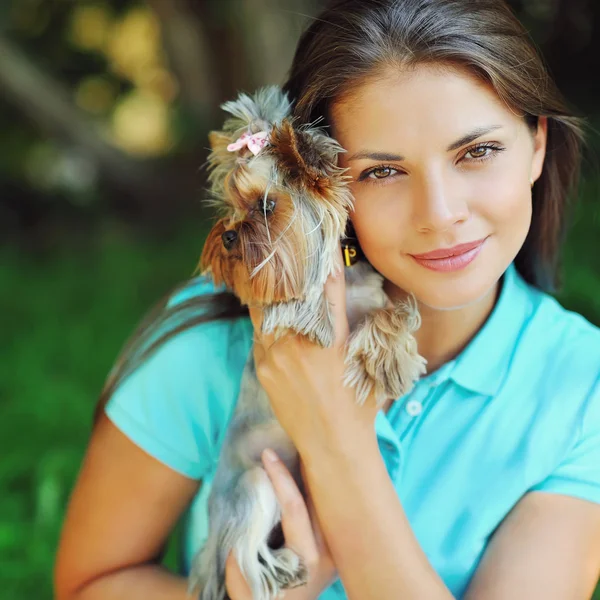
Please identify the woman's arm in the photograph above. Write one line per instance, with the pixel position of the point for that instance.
(547, 547)
(122, 510)
(369, 536)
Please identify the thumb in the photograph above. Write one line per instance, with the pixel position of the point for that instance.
(335, 292)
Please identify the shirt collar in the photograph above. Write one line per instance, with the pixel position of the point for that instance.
(482, 365)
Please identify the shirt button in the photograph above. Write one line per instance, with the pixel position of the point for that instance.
(414, 408)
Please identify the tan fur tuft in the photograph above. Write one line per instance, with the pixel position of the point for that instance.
(382, 358)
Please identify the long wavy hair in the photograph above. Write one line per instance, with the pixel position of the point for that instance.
(352, 40)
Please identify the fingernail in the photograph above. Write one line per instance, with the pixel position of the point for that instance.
(337, 272)
(269, 456)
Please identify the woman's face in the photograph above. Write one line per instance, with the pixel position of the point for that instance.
(437, 160)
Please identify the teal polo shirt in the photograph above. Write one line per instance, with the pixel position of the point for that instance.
(517, 411)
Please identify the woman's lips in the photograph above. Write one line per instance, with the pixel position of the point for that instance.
(450, 259)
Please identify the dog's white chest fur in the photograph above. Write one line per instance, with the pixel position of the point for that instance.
(364, 292)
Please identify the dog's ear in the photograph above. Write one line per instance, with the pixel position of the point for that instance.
(307, 156)
(210, 260)
(218, 141)
(221, 162)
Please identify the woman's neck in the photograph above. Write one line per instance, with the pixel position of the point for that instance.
(445, 333)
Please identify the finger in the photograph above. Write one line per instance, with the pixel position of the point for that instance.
(235, 584)
(262, 341)
(256, 316)
(316, 526)
(295, 520)
(258, 352)
(335, 291)
(258, 349)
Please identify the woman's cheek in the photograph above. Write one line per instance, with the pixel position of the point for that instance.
(506, 206)
(377, 218)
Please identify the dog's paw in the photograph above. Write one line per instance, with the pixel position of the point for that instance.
(276, 571)
(242, 522)
(207, 573)
(382, 357)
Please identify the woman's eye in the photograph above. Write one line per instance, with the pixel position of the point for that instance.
(482, 152)
(476, 154)
(381, 172)
(378, 173)
(479, 152)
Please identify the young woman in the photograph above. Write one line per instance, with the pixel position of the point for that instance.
(484, 481)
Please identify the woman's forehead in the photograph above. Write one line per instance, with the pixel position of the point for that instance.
(424, 100)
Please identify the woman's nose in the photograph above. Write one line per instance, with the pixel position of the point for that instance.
(229, 239)
(438, 207)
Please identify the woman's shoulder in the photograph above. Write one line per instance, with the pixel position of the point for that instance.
(569, 341)
(216, 340)
(195, 287)
(556, 364)
(566, 399)
(200, 345)
(548, 404)
(176, 404)
(530, 345)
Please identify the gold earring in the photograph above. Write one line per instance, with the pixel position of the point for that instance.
(532, 182)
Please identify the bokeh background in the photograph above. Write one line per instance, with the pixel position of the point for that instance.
(105, 107)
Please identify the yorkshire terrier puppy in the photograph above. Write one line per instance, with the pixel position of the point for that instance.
(284, 206)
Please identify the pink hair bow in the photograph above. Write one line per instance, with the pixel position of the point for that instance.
(255, 142)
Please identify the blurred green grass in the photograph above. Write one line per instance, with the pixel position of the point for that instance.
(64, 316)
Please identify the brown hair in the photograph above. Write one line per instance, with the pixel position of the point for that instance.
(352, 40)
(356, 39)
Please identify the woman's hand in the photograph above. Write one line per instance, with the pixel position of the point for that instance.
(302, 534)
(304, 384)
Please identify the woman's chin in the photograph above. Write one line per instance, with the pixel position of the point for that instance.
(453, 292)
(455, 296)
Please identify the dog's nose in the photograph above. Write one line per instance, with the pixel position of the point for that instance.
(229, 239)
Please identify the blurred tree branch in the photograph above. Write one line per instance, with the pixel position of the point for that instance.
(268, 26)
(189, 55)
(47, 103)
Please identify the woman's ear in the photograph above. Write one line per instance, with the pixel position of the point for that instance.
(351, 250)
(540, 138)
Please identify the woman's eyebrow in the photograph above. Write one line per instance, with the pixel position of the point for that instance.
(469, 137)
(375, 156)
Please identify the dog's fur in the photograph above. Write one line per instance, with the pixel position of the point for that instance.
(289, 207)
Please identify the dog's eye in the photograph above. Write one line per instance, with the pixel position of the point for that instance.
(266, 205)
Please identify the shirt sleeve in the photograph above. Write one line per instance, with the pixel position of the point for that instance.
(176, 405)
(579, 472)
